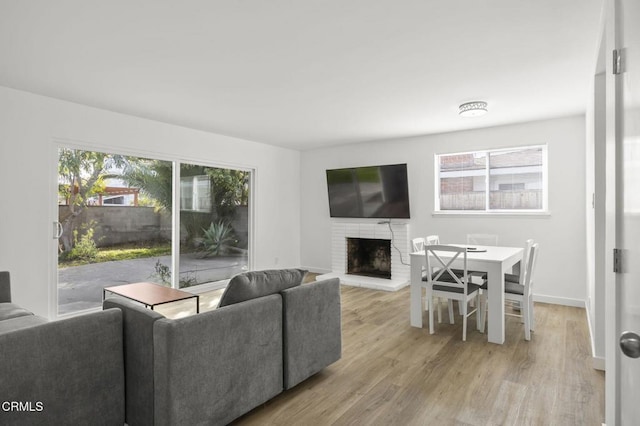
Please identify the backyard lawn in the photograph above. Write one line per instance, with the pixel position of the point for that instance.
(123, 252)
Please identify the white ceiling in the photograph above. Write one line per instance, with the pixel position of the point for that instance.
(306, 73)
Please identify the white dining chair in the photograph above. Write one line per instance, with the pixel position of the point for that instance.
(446, 283)
(432, 239)
(518, 278)
(417, 244)
(429, 241)
(519, 293)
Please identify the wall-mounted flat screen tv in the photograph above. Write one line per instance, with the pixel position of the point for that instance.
(369, 192)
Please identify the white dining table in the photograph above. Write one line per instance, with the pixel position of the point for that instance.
(494, 260)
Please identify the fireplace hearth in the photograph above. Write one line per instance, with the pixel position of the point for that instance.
(369, 257)
(396, 235)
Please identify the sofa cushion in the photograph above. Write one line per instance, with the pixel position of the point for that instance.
(312, 329)
(250, 285)
(9, 310)
(19, 323)
(216, 366)
(74, 367)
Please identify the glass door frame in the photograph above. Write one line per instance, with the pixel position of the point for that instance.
(176, 161)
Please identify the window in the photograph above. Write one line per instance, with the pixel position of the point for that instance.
(115, 212)
(506, 180)
(195, 193)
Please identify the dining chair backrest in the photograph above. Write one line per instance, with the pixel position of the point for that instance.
(444, 274)
(482, 239)
(524, 265)
(417, 244)
(431, 240)
(531, 267)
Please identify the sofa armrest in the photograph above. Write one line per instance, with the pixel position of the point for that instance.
(5, 287)
(138, 357)
(69, 372)
(312, 329)
(213, 367)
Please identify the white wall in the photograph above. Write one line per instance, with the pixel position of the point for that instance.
(29, 125)
(561, 273)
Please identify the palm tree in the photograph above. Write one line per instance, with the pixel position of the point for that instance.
(153, 177)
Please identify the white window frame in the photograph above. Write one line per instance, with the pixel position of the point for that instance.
(487, 211)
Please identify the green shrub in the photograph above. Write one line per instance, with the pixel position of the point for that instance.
(84, 248)
(218, 238)
(163, 274)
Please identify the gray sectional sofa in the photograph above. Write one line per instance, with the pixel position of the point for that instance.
(268, 334)
(67, 372)
(129, 363)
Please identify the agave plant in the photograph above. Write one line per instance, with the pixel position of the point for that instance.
(218, 238)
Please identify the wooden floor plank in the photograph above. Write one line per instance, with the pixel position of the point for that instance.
(393, 374)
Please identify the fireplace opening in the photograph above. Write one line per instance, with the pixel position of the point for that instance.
(369, 257)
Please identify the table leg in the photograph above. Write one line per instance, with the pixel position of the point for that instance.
(416, 309)
(495, 274)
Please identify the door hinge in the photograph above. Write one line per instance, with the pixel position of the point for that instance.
(617, 260)
(617, 61)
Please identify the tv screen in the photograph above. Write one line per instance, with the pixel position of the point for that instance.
(369, 192)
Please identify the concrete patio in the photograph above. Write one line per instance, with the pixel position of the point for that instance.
(80, 287)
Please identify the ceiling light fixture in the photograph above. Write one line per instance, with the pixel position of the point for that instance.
(473, 109)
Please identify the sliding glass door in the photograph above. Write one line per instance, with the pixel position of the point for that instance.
(117, 224)
(214, 223)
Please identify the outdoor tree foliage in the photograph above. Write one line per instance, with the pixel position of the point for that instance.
(153, 177)
(230, 190)
(80, 175)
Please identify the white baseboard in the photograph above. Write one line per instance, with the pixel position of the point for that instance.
(316, 270)
(366, 282)
(598, 362)
(554, 300)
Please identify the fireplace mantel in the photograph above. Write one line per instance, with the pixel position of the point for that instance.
(400, 270)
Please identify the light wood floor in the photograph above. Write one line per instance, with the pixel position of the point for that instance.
(393, 374)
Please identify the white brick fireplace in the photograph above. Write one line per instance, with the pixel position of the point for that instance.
(397, 233)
